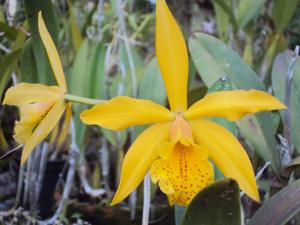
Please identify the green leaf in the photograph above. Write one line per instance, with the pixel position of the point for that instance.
(213, 60)
(280, 208)
(28, 65)
(279, 73)
(282, 13)
(227, 7)
(247, 10)
(217, 204)
(83, 80)
(75, 31)
(80, 77)
(152, 85)
(9, 31)
(97, 73)
(8, 63)
(222, 21)
(32, 7)
(196, 94)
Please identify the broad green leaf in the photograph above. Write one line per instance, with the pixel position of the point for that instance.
(32, 7)
(75, 31)
(229, 8)
(28, 64)
(280, 208)
(213, 60)
(282, 13)
(98, 87)
(196, 93)
(217, 204)
(222, 21)
(21, 37)
(80, 80)
(247, 10)
(152, 86)
(279, 74)
(8, 63)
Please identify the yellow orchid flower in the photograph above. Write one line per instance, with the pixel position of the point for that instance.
(178, 148)
(41, 106)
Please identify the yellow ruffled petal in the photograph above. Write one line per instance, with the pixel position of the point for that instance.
(25, 93)
(52, 53)
(122, 112)
(139, 158)
(228, 154)
(43, 129)
(31, 115)
(183, 174)
(172, 56)
(23, 131)
(233, 104)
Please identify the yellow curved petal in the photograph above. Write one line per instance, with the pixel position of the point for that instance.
(25, 93)
(122, 112)
(23, 131)
(186, 172)
(66, 125)
(233, 104)
(172, 56)
(139, 158)
(31, 115)
(43, 129)
(228, 154)
(52, 53)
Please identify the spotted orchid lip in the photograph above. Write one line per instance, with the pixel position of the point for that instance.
(186, 172)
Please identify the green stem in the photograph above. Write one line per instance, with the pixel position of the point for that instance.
(83, 100)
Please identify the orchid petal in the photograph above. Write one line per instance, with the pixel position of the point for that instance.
(25, 93)
(43, 129)
(172, 56)
(52, 53)
(227, 153)
(139, 158)
(31, 115)
(122, 112)
(233, 104)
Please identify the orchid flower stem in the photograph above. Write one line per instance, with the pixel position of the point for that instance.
(83, 100)
(146, 205)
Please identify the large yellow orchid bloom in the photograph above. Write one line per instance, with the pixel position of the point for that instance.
(41, 106)
(178, 147)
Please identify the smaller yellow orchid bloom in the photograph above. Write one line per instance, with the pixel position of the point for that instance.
(178, 148)
(41, 106)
